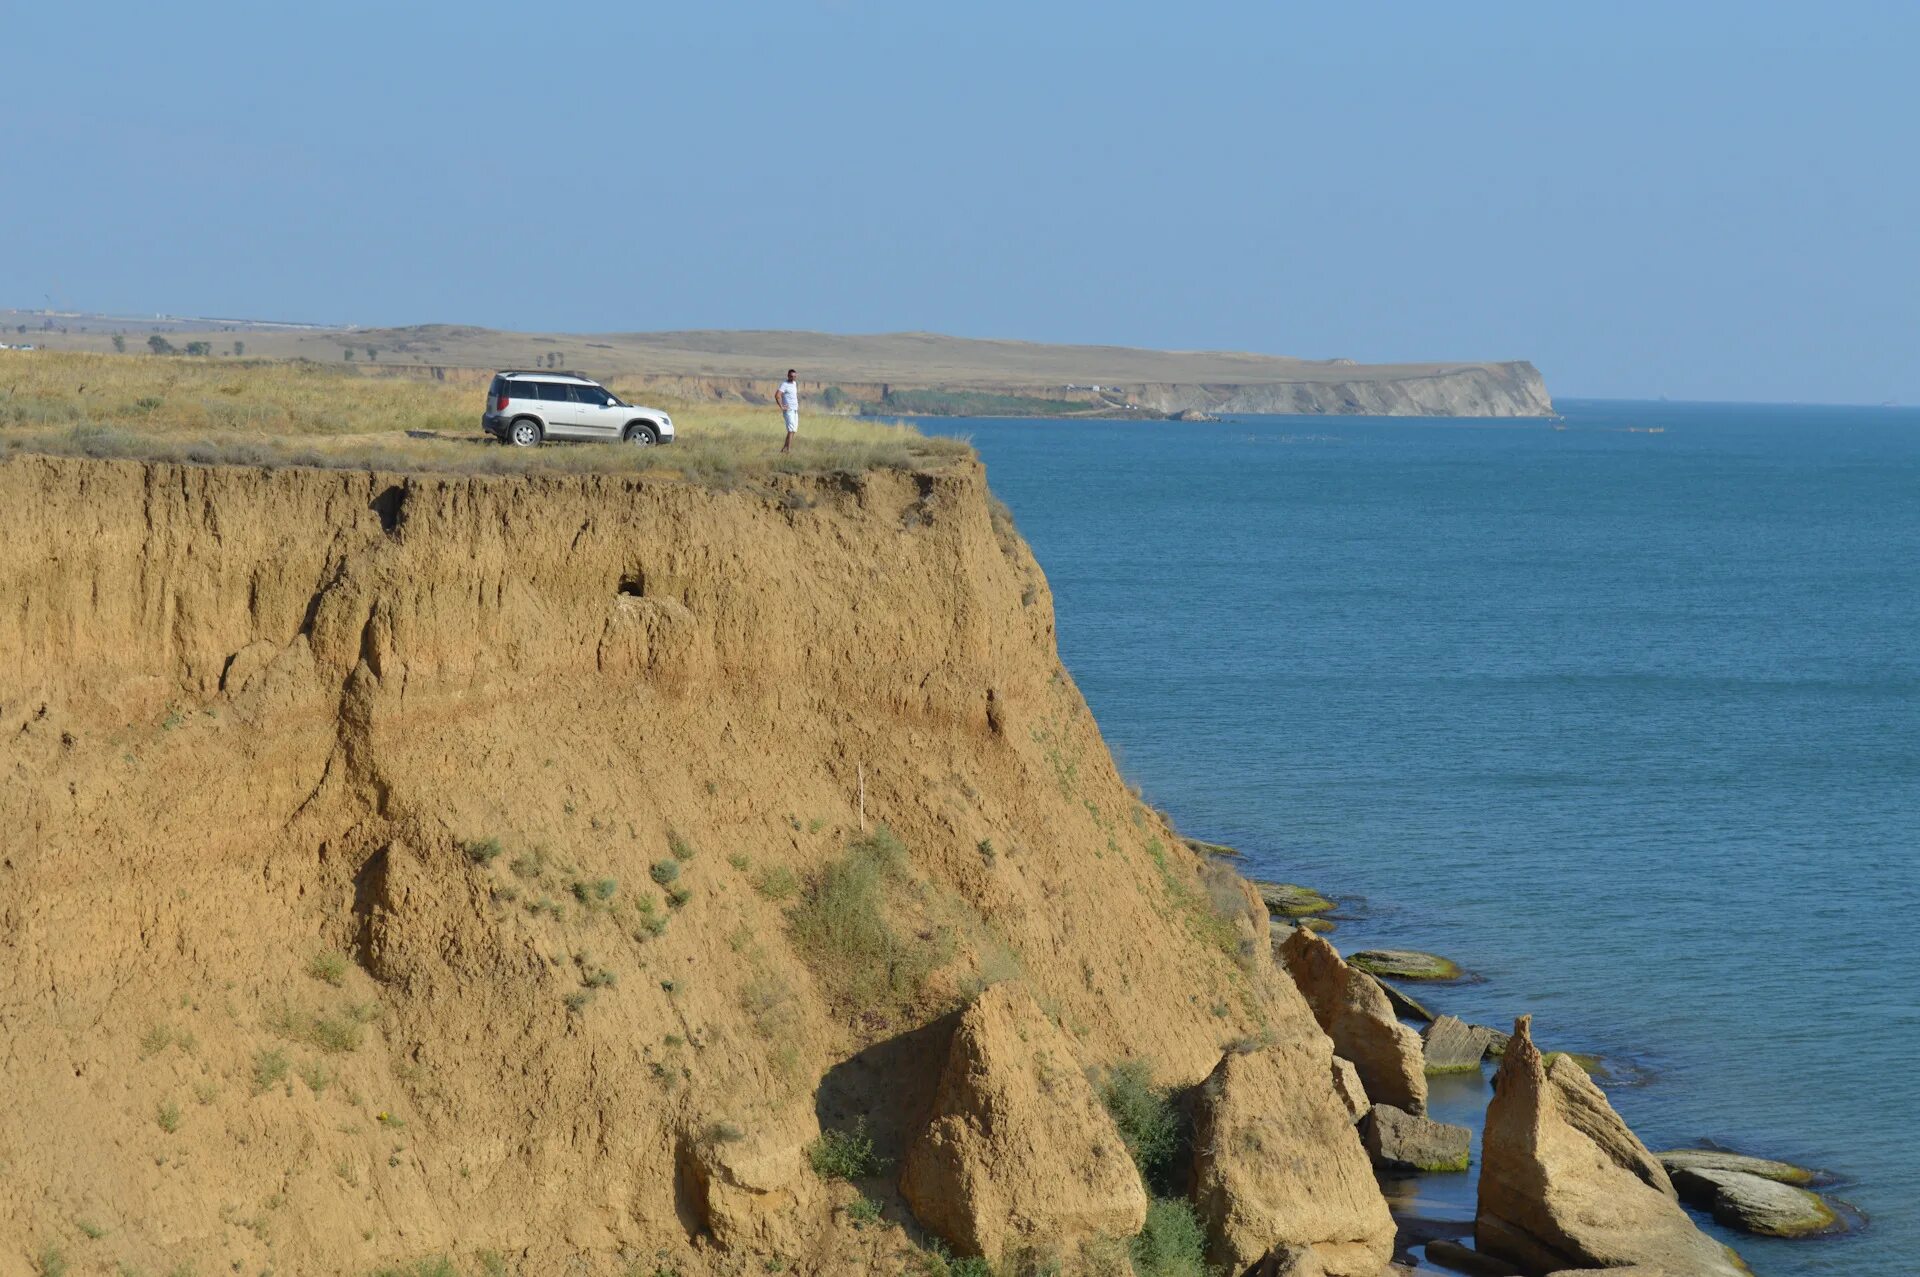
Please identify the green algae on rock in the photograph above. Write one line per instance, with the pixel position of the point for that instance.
(1754, 1204)
(1292, 900)
(1720, 1159)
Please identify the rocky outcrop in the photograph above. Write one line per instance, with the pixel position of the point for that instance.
(1354, 1011)
(1020, 1153)
(1754, 1204)
(1565, 1184)
(1278, 1167)
(1454, 1046)
(1401, 1141)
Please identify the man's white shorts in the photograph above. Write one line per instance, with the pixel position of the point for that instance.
(793, 420)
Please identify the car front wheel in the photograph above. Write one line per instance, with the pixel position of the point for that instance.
(641, 436)
(523, 434)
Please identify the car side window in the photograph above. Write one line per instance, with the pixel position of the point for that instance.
(589, 395)
(552, 391)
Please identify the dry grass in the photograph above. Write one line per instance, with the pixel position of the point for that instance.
(256, 412)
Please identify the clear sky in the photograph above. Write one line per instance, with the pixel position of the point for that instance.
(1698, 199)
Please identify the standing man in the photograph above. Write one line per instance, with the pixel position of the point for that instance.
(789, 397)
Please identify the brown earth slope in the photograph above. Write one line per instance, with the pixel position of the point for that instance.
(272, 1000)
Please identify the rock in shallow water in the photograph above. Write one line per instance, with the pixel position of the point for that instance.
(1564, 1183)
(1465, 1259)
(1292, 900)
(1719, 1159)
(1405, 1005)
(1406, 964)
(1756, 1205)
(1400, 1141)
(1454, 1046)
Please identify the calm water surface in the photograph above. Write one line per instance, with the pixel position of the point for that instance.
(1628, 723)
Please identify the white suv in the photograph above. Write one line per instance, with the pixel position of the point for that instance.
(527, 408)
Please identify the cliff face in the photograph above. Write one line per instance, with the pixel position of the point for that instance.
(398, 865)
(1475, 390)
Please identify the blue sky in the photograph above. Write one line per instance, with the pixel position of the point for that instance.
(1702, 200)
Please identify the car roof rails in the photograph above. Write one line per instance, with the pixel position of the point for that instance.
(543, 372)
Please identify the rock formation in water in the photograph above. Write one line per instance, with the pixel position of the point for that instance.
(1565, 1184)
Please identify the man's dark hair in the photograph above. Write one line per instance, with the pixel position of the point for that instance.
(793, 372)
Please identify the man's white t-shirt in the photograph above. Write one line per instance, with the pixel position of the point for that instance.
(789, 396)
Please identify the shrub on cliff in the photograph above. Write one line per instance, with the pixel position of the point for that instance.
(1172, 1244)
(1149, 1124)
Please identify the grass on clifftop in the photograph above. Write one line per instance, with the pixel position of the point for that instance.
(256, 412)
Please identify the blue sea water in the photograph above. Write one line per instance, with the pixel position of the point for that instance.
(1623, 716)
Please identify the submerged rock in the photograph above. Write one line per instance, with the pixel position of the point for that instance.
(1218, 850)
(1755, 1204)
(1564, 1183)
(1454, 1046)
(1020, 1152)
(1406, 964)
(1292, 900)
(1719, 1159)
(1278, 1168)
(1401, 1141)
(1353, 1010)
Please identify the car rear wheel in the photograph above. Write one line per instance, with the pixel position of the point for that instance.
(523, 433)
(641, 436)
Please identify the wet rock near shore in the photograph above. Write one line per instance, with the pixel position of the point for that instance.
(1405, 1005)
(1217, 850)
(1454, 1046)
(1465, 1259)
(1290, 900)
(1401, 1141)
(1565, 1184)
(1406, 964)
(1720, 1159)
(1352, 1009)
(1754, 1204)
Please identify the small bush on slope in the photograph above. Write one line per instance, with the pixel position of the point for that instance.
(841, 928)
(1172, 1244)
(1148, 1122)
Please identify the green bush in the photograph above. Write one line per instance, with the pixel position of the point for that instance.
(1146, 1117)
(437, 1266)
(665, 871)
(268, 1067)
(1173, 1244)
(863, 1211)
(845, 1155)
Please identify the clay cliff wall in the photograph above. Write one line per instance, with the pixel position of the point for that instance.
(396, 864)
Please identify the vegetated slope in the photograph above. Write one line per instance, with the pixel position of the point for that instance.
(394, 866)
(748, 364)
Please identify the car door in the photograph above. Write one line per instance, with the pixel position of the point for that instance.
(562, 410)
(597, 418)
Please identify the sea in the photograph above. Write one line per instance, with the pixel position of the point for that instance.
(1621, 712)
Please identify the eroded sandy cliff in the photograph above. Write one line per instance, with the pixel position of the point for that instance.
(255, 718)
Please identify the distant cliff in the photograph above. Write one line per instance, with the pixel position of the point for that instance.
(1469, 390)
